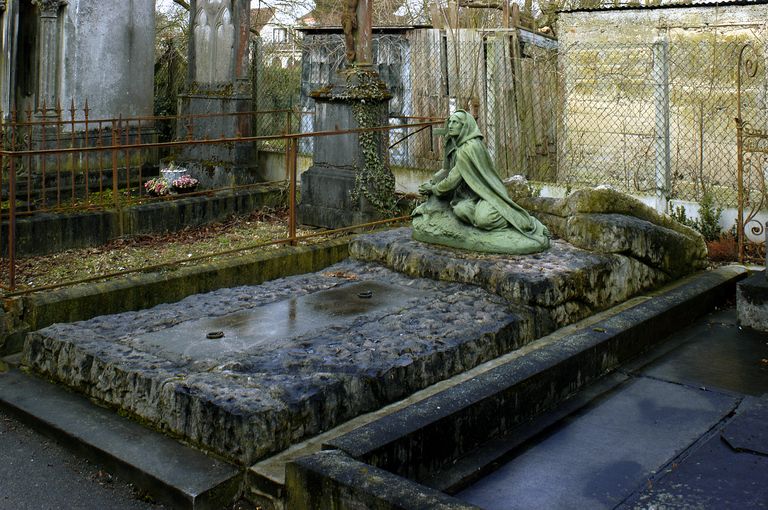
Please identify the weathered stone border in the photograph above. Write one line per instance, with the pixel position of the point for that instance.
(421, 442)
(45, 233)
(144, 290)
(332, 479)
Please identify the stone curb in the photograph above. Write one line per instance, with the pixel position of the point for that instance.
(45, 233)
(311, 480)
(144, 290)
(421, 442)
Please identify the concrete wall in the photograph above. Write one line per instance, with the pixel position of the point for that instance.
(45, 233)
(635, 25)
(108, 48)
(272, 168)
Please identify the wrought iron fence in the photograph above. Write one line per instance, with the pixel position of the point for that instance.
(63, 161)
(752, 155)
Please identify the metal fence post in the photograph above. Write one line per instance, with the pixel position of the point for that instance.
(661, 102)
(115, 191)
(12, 217)
(291, 154)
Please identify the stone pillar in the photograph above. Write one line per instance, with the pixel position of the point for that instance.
(218, 82)
(48, 55)
(348, 182)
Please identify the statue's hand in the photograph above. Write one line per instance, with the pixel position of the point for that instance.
(426, 188)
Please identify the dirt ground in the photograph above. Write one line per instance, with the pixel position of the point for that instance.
(183, 247)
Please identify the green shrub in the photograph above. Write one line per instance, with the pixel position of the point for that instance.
(708, 222)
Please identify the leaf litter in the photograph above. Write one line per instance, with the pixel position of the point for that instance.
(146, 250)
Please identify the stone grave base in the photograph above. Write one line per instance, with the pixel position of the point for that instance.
(752, 301)
(302, 354)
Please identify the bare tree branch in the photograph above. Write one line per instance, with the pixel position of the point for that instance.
(182, 3)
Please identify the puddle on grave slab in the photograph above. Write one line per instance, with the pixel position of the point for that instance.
(280, 322)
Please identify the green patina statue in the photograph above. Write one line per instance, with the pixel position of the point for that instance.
(468, 206)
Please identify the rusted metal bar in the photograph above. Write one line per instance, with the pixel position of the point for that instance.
(230, 140)
(740, 188)
(12, 220)
(127, 153)
(141, 158)
(43, 136)
(86, 172)
(58, 156)
(72, 146)
(287, 128)
(100, 144)
(115, 138)
(291, 154)
(740, 148)
(151, 118)
(29, 161)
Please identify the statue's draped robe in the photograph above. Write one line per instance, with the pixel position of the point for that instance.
(478, 198)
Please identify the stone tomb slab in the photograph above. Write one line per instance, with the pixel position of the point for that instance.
(302, 354)
(279, 323)
(299, 355)
(563, 284)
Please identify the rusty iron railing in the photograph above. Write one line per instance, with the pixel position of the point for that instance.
(53, 164)
(752, 154)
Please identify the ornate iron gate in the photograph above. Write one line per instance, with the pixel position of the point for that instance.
(752, 147)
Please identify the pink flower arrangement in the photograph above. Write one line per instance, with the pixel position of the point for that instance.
(157, 186)
(185, 182)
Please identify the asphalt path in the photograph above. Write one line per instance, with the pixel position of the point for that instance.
(36, 473)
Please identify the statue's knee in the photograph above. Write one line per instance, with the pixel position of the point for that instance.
(465, 211)
(487, 217)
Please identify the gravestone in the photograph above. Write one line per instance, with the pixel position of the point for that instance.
(349, 183)
(218, 102)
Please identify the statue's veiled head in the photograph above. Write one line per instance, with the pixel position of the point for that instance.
(461, 127)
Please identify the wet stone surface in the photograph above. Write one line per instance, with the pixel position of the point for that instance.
(298, 354)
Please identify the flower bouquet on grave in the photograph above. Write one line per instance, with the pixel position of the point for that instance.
(184, 184)
(157, 187)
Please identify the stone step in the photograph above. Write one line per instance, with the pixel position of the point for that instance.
(686, 298)
(170, 472)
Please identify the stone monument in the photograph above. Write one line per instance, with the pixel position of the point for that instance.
(468, 205)
(56, 52)
(349, 182)
(218, 83)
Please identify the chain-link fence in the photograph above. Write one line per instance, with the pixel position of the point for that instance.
(652, 118)
(170, 81)
(276, 75)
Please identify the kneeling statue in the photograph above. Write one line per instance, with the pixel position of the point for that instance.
(468, 206)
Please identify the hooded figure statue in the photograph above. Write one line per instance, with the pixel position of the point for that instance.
(468, 206)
